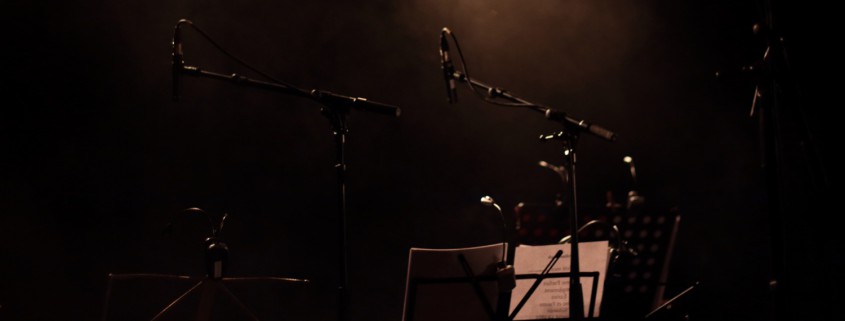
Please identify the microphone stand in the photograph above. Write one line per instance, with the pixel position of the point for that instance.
(569, 136)
(576, 297)
(336, 108)
(337, 117)
(214, 282)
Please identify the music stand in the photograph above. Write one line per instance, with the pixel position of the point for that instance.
(547, 305)
(676, 308)
(465, 284)
(638, 282)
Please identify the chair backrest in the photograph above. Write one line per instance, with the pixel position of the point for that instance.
(452, 284)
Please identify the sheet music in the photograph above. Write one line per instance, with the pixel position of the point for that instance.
(551, 299)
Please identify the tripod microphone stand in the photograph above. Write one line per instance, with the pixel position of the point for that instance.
(216, 264)
(336, 108)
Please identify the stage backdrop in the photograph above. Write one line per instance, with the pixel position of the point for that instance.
(99, 162)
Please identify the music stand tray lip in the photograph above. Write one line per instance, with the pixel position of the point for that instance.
(594, 275)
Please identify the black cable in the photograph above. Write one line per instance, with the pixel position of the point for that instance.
(475, 90)
(233, 57)
(613, 230)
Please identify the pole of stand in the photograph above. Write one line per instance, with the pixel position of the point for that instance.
(576, 296)
(569, 136)
(338, 119)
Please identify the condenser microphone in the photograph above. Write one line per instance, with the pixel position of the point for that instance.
(178, 62)
(448, 67)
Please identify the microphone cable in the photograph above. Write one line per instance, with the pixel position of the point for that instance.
(233, 57)
(480, 95)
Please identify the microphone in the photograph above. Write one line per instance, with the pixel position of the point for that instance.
(562, 117)
(448, 67)
(178, 61)
(505, 273)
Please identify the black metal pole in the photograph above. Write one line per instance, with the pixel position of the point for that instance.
(340, 138)
(337, 116)
(569, 136)
(576, 293)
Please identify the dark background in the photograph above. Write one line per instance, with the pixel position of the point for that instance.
(97, 159)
